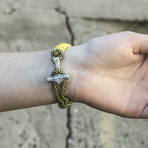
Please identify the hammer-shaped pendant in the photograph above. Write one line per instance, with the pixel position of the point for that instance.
(58, 78)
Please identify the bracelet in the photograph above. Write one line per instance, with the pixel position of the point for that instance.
(58, 77)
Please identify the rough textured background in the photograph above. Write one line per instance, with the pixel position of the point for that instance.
(27, 25)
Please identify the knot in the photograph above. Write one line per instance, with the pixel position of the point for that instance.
(64, 102)
(57, 53)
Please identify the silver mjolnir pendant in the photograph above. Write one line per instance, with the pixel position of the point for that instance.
(58, 78)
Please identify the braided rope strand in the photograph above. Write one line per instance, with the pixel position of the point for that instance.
(59, 90)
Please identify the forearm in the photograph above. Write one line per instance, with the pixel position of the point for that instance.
(23, 80)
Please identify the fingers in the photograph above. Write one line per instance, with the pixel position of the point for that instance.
(144, 114)
(143, 48)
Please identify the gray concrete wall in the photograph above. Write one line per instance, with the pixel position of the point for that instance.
(27, 25)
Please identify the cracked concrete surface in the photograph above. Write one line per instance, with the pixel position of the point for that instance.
(41, 24)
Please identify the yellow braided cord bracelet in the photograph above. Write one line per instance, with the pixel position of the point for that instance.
(58, 77)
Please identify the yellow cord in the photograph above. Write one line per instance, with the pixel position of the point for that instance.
(62, 46)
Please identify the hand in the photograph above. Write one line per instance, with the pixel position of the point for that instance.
(111, 74)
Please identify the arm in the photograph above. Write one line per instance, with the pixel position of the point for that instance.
(23, 80)
(109, 73)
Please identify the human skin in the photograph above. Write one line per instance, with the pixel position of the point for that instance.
(112, 74)
(23, 80)
(108, 73)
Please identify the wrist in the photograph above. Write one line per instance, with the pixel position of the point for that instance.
(70, 65)
(67, 65)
